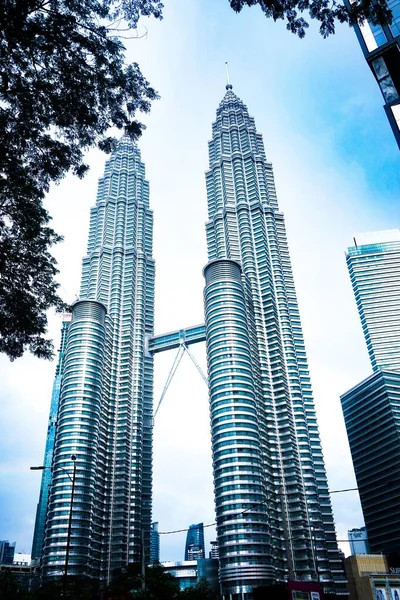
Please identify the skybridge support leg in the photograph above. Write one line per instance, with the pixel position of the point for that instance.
(174, 367)
(181, 350)
(196, 364)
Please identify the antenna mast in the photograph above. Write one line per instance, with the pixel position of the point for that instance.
(227, 74)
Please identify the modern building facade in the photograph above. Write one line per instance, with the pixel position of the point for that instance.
(372, 416)
(104, 414)
(370, 578)
(194, 547)
(381, 48)
(154, 543)
(214, 553)
(358, 540)
(41, 511)
(185, 571)
(374, 267)
(190, 572)
(273, 510)
(371, 408)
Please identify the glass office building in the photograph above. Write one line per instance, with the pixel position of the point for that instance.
(104, 414)
(371, 409)
(381, 48)
(7, 552)
(374, 267)
(154, 543)
(372, 415)
(194, 547)
(273, 510)
(358, 540)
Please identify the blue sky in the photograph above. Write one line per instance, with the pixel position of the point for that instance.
(337, 173)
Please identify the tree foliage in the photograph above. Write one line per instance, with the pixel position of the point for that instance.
(63, 84)
(75, 588)
(10, 587)
(327, 12)
(127, 583)
(158, 584)
(201, 591)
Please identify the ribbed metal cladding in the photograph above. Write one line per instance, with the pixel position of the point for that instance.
(245, 225)
(115, 408)
(243, 538)
(45, 485)
(374, 267)
(78, 425)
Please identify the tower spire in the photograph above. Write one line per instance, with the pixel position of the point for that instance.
(228, 82)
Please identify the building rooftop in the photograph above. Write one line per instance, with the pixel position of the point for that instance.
(377, 237)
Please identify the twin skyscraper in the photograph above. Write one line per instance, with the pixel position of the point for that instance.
(273, 510)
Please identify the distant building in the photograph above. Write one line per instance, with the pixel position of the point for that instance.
(371, 412)
(7, 552)
(154, 543)
(185, 571)
(214, 552)
(381, 47)
(208, 568)
(189, 572)
(194, 548)
(370, 577)
(374, 267)
(358, 540)
(22, 559)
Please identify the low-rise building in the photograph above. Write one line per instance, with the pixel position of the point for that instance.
(370, 577)
(185, 571)
(189, 572)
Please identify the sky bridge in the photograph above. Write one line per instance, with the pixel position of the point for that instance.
(181, 339)
(174, 339)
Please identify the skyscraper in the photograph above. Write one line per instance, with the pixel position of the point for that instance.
(38, 535)
(154, 543)
(274, 517)
(381, 48)
(194, 547)
(7, 552)
(372, 415)
(105, 403)
(273, 510)
(371, 408)
(374, 267)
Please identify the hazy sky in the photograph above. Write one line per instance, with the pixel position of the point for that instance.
(337, 173)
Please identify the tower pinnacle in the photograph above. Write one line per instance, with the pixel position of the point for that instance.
(228, 83)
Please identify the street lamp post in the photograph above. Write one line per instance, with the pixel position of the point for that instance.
(72, 479)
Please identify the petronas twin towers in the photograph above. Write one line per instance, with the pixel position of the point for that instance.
(273, 511)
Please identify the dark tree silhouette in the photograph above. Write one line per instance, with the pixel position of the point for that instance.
(327, 12)
(201, 591)
(63, 84)
(158, 584)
